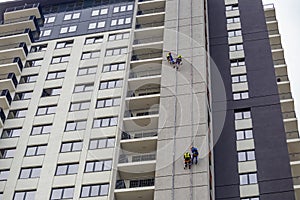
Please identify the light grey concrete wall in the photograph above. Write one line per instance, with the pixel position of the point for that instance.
(183, 105)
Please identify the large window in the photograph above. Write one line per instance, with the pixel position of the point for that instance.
(102, 103)
(98, 166)
(41, 129)
(234, 33)
(113, 67)
(9, 133)
(244, 134)
(90, 55)
(246, 156)
(239, 78)
(7, 153)
(24, 195)
(38, 48)
(75, 125)
(102, 143)
(102, 11)
(23, 95)
(233, 20)
(94, 40)
(51, 92)
(87, 70)
(64, 44)
(237, 62)
(242, 114)
(69, 29)
(246, 179)
(75, 106)
(60, 59)
(94, 190)
(94, 25)
(71, 146)
(66, 169)
(30, 172)
(84, 87)
(28, 78)
(116, 51)
(62, 193)
(4, 174)
(36, 150)
(105, 122)
(49, 20)
(240, 95)
(118, 36)
(34, 63)
(56, 75)
(72, 16)
(232, 7)
(111, 84)
(21, 113)
(236, 47)
(46, 110)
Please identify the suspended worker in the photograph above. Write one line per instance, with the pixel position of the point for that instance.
(187, 160)
(179, 60)
(170, 58)
(195, 154)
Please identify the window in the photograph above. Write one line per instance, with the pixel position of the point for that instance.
(120, 21)
(246, 156)
(64, 44)
(237, 62)
(69, 29)
(118, 36)
(71, 146)
(4, 174)
(244, 134)
(9, 133)
(102, 103)
(113, 22)
(60, 59)
(56, 75)
(98, 166)
(87, 70)
(72, 16)
(23, 95)
(84, 87)
(51, 92)
(236, 47)
(123, 8)
(36, 150)
(62, 193)
(46, 110)
(17, 114)
(28, 79)
(30, 172)
(251, 198)
(49, 20)
(242, 115)
(24, 195)
(105, 122)
(110, 84)
(38, 48)
(113, 67)
(33, 63)
(232, 7)
(75, 125)
(234, 33)
(240, 95)
(239, 79)
(102, 143)
(94, 40)
(66, 169)
(45, 33)
(116, 51)
(94, 190)
(90, 55)
(233, 20)
(96, 25)
(246, 179)
(41, 129)
(79, 106)
(7, 153)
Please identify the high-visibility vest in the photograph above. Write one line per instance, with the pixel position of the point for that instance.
(187, 156)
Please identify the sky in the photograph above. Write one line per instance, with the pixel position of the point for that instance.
(288, 16)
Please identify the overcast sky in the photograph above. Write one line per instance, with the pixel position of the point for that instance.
(288, 16)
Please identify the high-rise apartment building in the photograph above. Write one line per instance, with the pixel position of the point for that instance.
(92, 109)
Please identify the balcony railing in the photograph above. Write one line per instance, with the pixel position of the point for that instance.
(292, 135)
(11, 76)
(149, 25)
(146, 56)
(16, 32)
(143, 92)
(294, 156)
(26, 6)
(124, 184)
(148, 40)
(288, 115)
(136, 135)
(150, 11)
(141, 112)
(6, 94)
(2, 115)
(144, 73)
(136, 158)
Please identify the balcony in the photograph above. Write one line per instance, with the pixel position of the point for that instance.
(20, 24)
(284, 87)
(272, 27)
(292, 135)
(23, 11)
(146, 54)
(135, 189)
(20, 36)
(139, 141)
(8, 81)
(14, 50)
(5, 99)
(289, 115)
(287, 105)
(143, 92)
(149, 11)
(150, 25)
(141, 74)
(281, 70)
(2, 117)
(139, 135)
(141, 112)
(13, 65)
(290, 125)
(277, 54)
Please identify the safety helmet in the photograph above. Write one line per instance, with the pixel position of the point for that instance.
(179, 56)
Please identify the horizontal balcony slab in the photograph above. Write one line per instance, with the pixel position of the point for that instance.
(145, 193)
(139, 145)
(11, 53)
(136, 168)
(22, 11)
